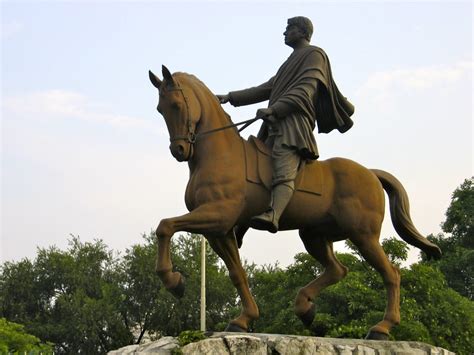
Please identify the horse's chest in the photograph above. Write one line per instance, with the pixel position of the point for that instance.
(209, 186)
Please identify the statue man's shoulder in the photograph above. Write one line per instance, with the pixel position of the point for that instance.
(317, 50)
(315, 55)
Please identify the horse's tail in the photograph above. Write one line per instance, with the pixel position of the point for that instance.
(400, 213)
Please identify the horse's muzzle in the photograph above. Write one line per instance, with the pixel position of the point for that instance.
(180, 150)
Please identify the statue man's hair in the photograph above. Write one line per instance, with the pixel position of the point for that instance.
(304, 24)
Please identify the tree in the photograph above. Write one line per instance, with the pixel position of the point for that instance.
(460, 215)
(457, 263)
(433, 312)
(88, 299)
(18, 296)
(66, 297)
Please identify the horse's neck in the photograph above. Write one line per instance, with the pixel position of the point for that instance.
(217, 144)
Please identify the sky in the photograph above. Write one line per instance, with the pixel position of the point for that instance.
(84, 152)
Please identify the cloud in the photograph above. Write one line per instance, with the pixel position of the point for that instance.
(61, 104)
(381, 88)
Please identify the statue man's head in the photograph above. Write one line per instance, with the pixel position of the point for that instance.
(302, 30)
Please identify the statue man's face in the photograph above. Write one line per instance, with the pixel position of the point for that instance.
(293, 35)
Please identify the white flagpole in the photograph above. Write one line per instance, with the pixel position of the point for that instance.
(203, 284)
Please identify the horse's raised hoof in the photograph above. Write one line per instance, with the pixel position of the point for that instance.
(308, 317)
(178, 290)
(376, 336)
(235, 328)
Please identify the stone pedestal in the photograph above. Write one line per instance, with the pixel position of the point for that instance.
(272, 344)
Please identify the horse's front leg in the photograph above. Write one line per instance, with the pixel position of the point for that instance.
(203, 220)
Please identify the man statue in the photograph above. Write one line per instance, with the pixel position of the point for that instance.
(300, 94)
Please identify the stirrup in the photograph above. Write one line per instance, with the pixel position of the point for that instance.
(265, 222)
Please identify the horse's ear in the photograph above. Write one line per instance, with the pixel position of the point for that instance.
(167, 76)
(154, 79)
(166, 73)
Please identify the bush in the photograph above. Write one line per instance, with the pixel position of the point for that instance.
(14, 339)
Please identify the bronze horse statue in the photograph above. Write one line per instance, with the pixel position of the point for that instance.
(221, 200)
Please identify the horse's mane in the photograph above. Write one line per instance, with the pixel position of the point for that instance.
(197, 84)
(193, 79)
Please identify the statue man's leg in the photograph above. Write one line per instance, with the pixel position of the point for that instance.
(285, 163)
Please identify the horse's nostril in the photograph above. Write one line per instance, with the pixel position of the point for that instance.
(180, 150)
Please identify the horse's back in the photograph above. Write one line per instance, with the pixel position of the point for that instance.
(317, 177)
(346, 190)
(326, 191)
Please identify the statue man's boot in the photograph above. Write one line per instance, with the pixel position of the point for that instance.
(281, 195)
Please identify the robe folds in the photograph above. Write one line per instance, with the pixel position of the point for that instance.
(301, 94)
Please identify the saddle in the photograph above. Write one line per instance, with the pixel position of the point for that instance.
(258, 166)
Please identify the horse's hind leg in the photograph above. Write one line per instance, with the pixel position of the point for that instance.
(372, 251)
(321, 249)
(226, 248)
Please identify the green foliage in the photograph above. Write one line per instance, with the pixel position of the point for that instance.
(447, 316)
(15, 340)
(88, 299)
(354, 330)
(190, 336)
(66, 297)
(396, 250)
(457, 263)
(460, 215)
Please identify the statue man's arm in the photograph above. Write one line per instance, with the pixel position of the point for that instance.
(296, 99)
(252, 95)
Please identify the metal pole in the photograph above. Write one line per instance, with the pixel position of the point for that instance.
(203, 284)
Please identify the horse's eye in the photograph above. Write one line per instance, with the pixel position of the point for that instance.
(176, 105)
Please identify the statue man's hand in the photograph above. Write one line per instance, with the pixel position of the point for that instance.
(266, 114)
(223, 99)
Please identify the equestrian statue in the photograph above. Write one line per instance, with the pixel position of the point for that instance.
(274, 182)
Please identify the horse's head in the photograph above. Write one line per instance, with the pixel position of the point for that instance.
(181, 110)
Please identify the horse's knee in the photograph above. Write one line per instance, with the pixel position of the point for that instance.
(164, 228)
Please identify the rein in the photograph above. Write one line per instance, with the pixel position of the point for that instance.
(191, 136)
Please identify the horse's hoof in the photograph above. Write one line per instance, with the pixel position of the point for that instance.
(308, 317)
(235, 328)
(178, 290)
(376, 336)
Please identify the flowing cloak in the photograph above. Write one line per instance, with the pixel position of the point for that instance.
(301, 93)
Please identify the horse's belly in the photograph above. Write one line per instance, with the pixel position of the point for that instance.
(305, 210)
(257, 200)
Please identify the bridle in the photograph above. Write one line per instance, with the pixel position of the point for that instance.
(191, 136)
